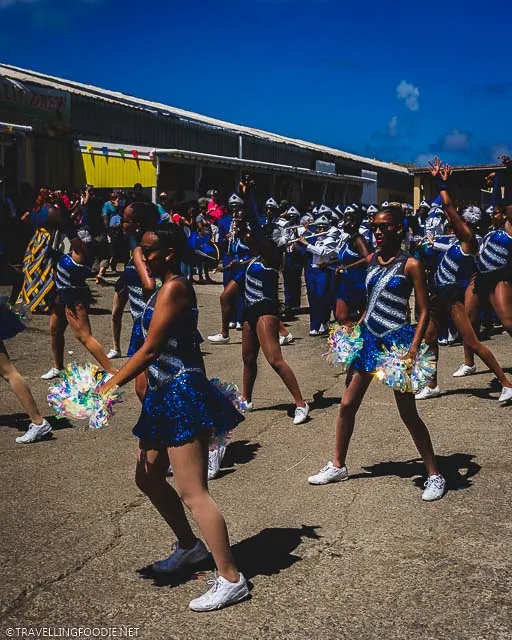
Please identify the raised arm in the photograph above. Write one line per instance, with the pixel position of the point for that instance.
(148, 282)
(463, 231)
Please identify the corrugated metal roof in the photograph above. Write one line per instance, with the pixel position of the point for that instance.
(465, 167)
(26, 75)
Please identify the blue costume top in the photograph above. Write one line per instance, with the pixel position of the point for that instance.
(455, 269)
(180, 401)
(260, 296)
(351, 286)
(70, 281)
(495, 252)
(131, 280)
(386, 320)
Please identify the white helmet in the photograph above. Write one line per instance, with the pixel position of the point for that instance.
(372, 209)
(472, 214)
(349, 209)
(235, 200)
(490, 210)
(425, 204)
(322, 221)
(271, 204)
(324, 210)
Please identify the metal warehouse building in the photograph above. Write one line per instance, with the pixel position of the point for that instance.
(60, 133)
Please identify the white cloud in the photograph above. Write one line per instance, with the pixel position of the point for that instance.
(456, 141)
(423, 159)
(409, 94)
(393, 126)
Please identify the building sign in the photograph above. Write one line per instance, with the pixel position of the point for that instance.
(325, 167)
(44, 109)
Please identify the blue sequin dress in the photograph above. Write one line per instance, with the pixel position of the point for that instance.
(261, 291)
(70, 282)
(180, 401)
(133, 284)
(385, 324)
(351, 283)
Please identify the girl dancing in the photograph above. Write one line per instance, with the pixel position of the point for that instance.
(392, 274)
(181, 411)
(450, 282)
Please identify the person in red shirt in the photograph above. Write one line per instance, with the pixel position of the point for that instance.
(215, 209)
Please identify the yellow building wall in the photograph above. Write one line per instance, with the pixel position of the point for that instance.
(103, 171)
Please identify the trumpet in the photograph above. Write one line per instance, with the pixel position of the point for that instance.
(311, 235)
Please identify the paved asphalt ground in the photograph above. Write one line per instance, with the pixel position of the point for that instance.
(363, 559)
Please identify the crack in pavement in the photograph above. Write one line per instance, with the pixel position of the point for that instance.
(40, 585)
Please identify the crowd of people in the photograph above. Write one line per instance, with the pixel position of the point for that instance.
(360, 263)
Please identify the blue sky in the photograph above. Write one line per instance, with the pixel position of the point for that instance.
(393, 80)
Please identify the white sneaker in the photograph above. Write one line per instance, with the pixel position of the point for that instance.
(51, 374)
(181, 558)
(506, 395)
(238, 326)
(35, 432)
(215, 458)
(288, 339)
(249, 406)
(434, 488)
(323, 329)
(314, 332)
(301, 414)
(442, 341)
(218, 338)
(452, 337)
(329, 474)
(427, 392)
(112, 354)
(221, 594)
(232, 325)
(464, 370)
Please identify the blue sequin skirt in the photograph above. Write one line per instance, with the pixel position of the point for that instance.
(136, 338)
(351, 291)
(366, 361)
(10, 324)
(186, 406)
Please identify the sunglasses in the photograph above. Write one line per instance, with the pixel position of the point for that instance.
(382, 226)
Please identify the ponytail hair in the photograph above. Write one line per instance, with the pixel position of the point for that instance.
(173, 237)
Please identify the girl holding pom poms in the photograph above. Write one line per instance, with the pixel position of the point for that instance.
(181, 412)
(392, 275)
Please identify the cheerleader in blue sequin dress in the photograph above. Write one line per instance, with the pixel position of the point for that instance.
(451, 279)
(351, 270)
(392, 274)
(10, 326)
(135, 285)
(71, 304)
(181, 411)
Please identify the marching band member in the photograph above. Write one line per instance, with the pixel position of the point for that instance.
(293, 267)
(319, 249)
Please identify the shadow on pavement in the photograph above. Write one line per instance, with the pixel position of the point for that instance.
(267, 553)
(20, 422)
(457, 468)
(271, 550)
(240, 452)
